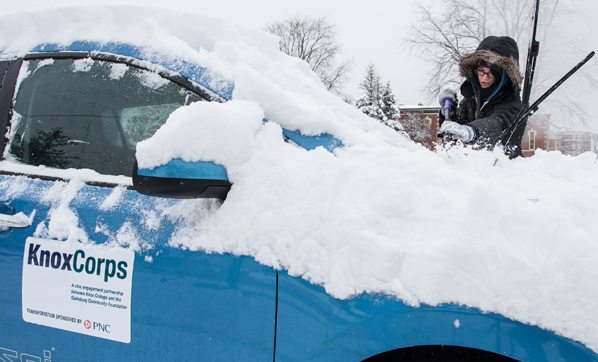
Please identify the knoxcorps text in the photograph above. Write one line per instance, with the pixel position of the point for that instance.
(91, 265)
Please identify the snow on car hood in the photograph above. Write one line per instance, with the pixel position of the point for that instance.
(516, 237)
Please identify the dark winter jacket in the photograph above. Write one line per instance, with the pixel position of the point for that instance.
(492, 110)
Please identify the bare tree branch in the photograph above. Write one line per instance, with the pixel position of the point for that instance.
(314, 41)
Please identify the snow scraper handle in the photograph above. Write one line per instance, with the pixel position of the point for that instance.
(448, 104)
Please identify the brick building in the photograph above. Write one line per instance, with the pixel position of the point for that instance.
(536, 134)
(421, 124)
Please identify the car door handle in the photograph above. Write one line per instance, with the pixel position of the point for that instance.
(19, 220)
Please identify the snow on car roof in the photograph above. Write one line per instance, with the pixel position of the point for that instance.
(246, 57)
(381, 215)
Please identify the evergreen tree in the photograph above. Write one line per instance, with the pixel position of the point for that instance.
(390, 110)
(369, 103)
(378, 101)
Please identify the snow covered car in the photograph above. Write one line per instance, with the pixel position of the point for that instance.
(98, 253)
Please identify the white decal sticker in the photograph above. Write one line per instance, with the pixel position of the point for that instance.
(82, 288)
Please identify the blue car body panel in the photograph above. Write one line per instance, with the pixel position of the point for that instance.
(325, 140)
(313, 326)
(185, 305)
(191, 305)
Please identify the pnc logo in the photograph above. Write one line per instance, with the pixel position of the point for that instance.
(96, 326)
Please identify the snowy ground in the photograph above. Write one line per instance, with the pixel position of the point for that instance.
(516, 237)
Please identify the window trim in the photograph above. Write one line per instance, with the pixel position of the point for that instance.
(43, 177)
(8, 83)
(532, 140)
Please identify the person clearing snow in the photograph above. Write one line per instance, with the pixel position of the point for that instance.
(491, 100)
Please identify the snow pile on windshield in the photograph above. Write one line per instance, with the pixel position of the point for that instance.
(516, 237)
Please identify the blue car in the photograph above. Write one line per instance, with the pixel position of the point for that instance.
(73, 115)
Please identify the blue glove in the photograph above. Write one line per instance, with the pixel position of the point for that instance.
(452, 131)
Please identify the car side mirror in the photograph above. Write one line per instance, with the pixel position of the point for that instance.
(182, 180)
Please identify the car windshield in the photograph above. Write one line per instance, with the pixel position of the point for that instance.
(87, 113)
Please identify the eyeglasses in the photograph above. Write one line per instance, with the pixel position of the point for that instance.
(484, 72)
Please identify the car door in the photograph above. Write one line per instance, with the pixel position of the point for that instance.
(85, 261)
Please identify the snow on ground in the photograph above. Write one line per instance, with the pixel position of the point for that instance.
(516, 237)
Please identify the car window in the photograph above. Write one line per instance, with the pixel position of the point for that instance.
(85, 113)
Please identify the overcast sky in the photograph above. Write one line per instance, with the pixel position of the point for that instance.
(370, 31)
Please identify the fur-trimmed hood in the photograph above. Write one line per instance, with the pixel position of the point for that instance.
(498, 53)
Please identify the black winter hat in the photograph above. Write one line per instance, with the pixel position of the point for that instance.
(503, 45)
